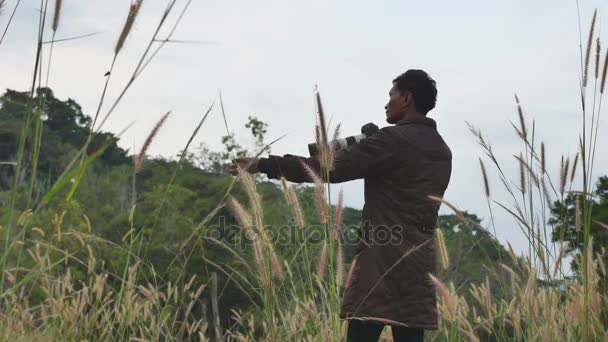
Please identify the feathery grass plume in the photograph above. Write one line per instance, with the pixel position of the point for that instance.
(597, 58)
(292, 200)
(349, 276)
(321, 114)
(57, 14)
(339, 264)
(322, 262)
(245, 220)
(522, 122)
(139, 159)
(444, 293)
(321, 133)
(486, 184)
(443, 252)
(254, 198)
(574, 168)
(543, 159)
(276, 266)
(128, 26)
(488, 297)
(604, 71)
(58, 222)
(602, 265)
(297, 208)
(563, 175)
(577, 215)
(470, 335)
(510, 270)
(319, 193)
(588, 51)
(522, 177)
(331, 153)
(285, 190)
(338, 218)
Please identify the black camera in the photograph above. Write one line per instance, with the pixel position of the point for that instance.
(366, 130)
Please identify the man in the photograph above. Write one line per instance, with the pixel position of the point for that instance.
(402, 165)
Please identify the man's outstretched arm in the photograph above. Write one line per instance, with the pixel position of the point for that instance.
(360, 160)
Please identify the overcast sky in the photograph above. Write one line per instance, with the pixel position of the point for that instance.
(269, 55)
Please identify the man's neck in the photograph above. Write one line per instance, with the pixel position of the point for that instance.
(413, 115)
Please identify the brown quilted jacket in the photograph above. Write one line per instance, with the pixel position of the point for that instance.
(401, 166)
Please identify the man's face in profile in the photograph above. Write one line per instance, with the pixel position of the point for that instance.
(395, 108)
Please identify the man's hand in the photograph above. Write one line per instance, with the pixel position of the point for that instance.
(248, 164)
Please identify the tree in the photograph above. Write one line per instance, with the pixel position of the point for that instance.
(218, 162)
(64, 131)
(563, 218)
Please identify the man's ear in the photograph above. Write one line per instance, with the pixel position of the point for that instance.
(408, 98)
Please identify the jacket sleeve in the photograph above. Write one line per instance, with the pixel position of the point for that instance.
(367, 158)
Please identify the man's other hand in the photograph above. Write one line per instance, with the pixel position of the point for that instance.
(248, 164)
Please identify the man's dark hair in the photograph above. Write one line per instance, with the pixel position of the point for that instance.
(421, 85)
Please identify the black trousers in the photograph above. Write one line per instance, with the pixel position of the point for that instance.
(369, 331)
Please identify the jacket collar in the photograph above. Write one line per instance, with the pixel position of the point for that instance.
(418, 120)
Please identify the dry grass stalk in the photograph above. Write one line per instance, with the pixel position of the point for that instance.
(574, 164)
(540, 250)
(139, 159)
(338, 216)
(443, 252)
(128, 26)
(577, 215)
(588, 50)
(57, 15)
(522, 122)
(450, 205)
(215, 306)
(486, 183)
(322, 262)
(601, 224)
(558, 262)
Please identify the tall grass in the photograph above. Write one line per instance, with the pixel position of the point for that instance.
(295, 295)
